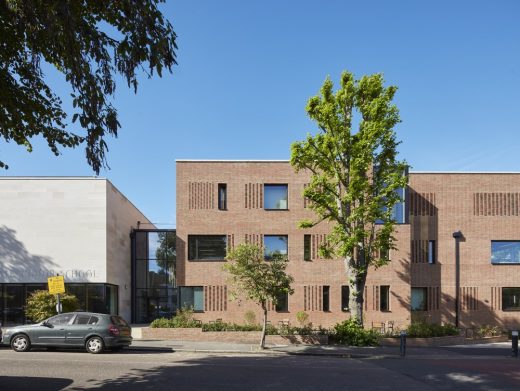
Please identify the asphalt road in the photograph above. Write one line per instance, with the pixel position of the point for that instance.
(132, 370)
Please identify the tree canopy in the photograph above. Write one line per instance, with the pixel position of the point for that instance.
(259, 280)
(355, 174)
(89, 42)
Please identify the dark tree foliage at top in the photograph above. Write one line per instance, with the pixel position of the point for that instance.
(72, 35)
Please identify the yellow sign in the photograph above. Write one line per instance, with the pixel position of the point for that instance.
(56, 285)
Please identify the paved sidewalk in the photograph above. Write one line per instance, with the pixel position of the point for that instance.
(496, 350)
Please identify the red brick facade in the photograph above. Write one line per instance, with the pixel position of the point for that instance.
(482, 206)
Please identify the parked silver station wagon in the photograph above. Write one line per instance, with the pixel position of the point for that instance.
(95, 332)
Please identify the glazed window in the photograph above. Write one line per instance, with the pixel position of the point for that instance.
(510, 299)
(306, 247)
(345, 297)
(192, 297)
(275, 197)
(431, 252)
(222, 196)
(505, 252)
(282, 304)
(207, 247)
(384, 294)
(275, 245)
(419, 299)
(326, 298)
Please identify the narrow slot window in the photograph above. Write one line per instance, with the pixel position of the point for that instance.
(222, 196)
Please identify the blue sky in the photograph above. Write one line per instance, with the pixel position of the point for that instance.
(247, 68)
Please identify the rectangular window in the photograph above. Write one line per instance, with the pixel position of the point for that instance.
(275, 197)
(192, 297)
(282, 304)
(384, 294)
(510, 299)
(222, 196)
(96, 299)
(419, 299)
(431, 252)
(399, 209)
(275, 245)
(326, 298)
(345, 297)
(505, 252)
(306, 247)
(207, 247)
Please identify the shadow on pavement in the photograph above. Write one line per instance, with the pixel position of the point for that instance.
(15, 383)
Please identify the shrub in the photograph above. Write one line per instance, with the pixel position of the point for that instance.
(183, 319)
(222, 326)
(302, 317)
(426, 330)
(488, 331)
(351, 333)
(42, 305)
(250, 317)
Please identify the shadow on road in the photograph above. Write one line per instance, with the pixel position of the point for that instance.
(312, 373)
(28, 383)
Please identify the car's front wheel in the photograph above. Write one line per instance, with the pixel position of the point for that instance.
(94, 345)
(21, 343)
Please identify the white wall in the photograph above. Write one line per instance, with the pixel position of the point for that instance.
(50, 226)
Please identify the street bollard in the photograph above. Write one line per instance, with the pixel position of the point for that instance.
(402, 348)
(514, 343)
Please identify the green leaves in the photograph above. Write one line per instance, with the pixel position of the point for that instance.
(259, 280)
(42, 305)
(355, 172)
(68, 36)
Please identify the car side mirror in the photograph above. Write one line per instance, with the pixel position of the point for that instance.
(46, 324)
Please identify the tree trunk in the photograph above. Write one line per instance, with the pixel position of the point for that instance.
(356, 282)
(264, 327)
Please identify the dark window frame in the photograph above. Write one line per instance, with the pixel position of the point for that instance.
(515, 308)
(182, 290)
(287, 193)
(345, 308)
(268, 257)
(282, 305)
(501, 262)
(307, 243)
(222, 196)
(386, 307)
(325, 298)
(196, 257)
(432, 252)
(425, 307)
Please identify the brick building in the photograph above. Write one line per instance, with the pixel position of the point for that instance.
(223, 203)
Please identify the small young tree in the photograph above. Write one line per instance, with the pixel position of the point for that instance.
(258, 280)
(355, 175)
(42, 305)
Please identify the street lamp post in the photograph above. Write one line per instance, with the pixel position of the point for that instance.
(457, 236)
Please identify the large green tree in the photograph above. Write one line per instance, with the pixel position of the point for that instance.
(355, 174)
(259, 280)
(89, 42)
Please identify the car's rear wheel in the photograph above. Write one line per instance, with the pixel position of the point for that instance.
(94, 345)
(21, 343)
